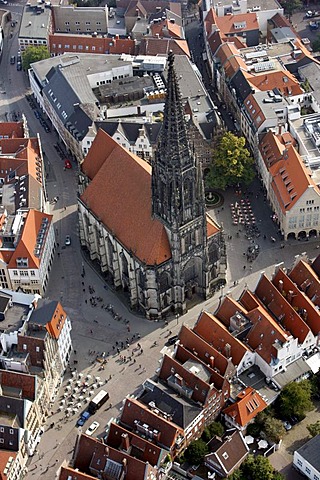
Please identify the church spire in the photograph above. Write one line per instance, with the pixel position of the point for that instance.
(177, 185)
(174, 144)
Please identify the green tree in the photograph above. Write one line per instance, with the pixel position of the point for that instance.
(256, 468)
(196, 451)
(274, 429)
(232, 163)
(34, 54)
(291, 5)
(314, 428)
(295, 398)
(212, 430)
(316, 45)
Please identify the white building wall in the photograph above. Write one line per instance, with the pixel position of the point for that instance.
(305, 467)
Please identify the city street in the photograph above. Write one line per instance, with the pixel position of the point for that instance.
(94, 328)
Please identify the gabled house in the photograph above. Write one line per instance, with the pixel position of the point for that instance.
(226, 453)
(248, 404)
(93, 459)
(142, 421)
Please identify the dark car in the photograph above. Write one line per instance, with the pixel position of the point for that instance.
(19, 66)
(172, 340)
(13, 59)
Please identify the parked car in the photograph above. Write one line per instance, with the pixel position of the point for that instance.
(13, 59)
(83, 418)
(287, 425)
(19, 66)
(67, 164)
(93, 427)
(172, 340)
(67, 241)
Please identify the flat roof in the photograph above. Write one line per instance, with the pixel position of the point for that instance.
(312, 156)
(13, 318)
(35, 22)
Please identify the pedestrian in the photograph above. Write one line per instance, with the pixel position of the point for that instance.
(139, 365)
(91, 331)
(58, 244)
(244, 267)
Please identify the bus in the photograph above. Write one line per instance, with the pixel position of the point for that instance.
(98, 401)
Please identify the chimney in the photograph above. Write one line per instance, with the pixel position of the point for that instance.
(106, 450)
(212, 361)
(117, 37)
(280, 129)
(290, 296)
(227, 349)
(281, 285)
(179, 380)
(125, 442)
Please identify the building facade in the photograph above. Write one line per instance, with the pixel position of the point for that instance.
(175, 249)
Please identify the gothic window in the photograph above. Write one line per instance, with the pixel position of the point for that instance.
(124, 264)
(190, 271)
(110, 252)
(164, 282)
(141, 279)
(187, 242)
(187, 193)
(213, 253)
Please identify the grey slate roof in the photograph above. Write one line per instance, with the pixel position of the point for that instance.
(166, 400)
(310, 452)
(44, 311)
(131, 129)
(66, 102)
(241, 86)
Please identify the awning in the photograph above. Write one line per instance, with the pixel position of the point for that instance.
(314, 362)
(297, 370)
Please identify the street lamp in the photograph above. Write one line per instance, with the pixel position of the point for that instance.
(177, 318)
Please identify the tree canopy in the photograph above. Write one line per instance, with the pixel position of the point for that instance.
(291, 5)
(314, 428)
(274, 429)
(232, 163)
(215, 428)
(256, 468)
(316, 44)
(34, 54)
(196, 451)
(295, 398)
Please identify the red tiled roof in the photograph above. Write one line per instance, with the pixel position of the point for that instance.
(25, 382)
(248, 405)
(162, 46)
(305, 277)
(215, 333)
(11, 129)
(290, 179)
(226, 24)
(299, 301)
(212, 227)
(27, 243)
(134, 410)
(284, 81)
(287, 316)
(92, 452)
(55, 324)
(206, 352)
(4, 457)
(119, 194)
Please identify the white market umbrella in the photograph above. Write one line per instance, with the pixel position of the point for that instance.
(262, 444)
(249, 439)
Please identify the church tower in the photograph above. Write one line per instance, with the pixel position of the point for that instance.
(178, 199)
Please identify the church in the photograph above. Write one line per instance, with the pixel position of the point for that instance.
(147, 227)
